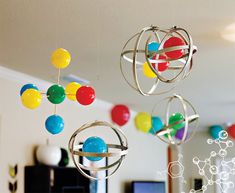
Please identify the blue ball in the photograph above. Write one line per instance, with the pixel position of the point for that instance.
(215, 130)
(54, 124)
(94, 145)
(27, 86)
(157, 125)
(153, 47)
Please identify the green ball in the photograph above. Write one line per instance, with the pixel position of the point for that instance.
(64, 161)
(172, 133)
(177, 117)
(56, 94)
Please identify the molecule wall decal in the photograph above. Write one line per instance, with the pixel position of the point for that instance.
(31, 96)
(216, 169)
(159, 57)
(220, 173)
(175, 169)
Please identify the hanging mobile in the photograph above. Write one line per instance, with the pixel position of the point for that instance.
(95, 149)
(179, 122)
(31, 97)
(154, 60)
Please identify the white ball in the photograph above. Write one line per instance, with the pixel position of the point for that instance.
(48, 155)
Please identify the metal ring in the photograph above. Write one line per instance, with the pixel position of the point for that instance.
(120, 153)
(131, 56)
(188, 119)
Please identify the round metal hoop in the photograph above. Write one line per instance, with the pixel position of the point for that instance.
(76, 150)
(131, 56)
(188, 119)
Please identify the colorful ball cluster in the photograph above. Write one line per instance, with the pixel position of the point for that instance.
(164, 55)
(31, 97)
(147, 124)
(160, 66)
(153, 47)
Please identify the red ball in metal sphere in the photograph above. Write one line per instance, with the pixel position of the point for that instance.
(162, 66)
(85, 95)
(172, 42)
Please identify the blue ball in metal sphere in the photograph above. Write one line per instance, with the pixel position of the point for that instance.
(153, 46)
(54, 124)
(94, 145)
(157, 125)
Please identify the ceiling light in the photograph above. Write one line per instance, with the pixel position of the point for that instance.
(229, 33)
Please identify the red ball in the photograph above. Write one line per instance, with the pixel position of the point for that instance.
(85, 95)
(120, 114)
(172, 42)
(231, 131)
(161, 66)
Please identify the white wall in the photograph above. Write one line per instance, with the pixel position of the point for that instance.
(21, 129)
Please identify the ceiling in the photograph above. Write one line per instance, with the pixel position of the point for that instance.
(95, 31)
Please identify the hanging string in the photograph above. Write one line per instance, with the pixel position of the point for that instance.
(58, 76)
(56, 15)
(172, 15)
(99, 75)
(55, 109)
(56, 22)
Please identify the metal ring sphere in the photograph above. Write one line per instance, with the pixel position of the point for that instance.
(187, 120)
(76, 150)
(131, 56)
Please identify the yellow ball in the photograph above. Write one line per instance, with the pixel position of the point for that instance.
(31, 98)
(71, 90)
(60, 58)
(143, 122)
(148, 71)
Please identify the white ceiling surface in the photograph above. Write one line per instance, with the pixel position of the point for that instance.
(95, 31)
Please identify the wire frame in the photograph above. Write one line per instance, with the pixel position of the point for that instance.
(179, 71)
(164, 133)
(76, 151)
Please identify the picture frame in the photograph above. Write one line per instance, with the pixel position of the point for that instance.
(97, 186)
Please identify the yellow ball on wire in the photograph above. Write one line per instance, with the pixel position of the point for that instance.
(31, 98)
(60, 58)
(71, 90)
(148, 71)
